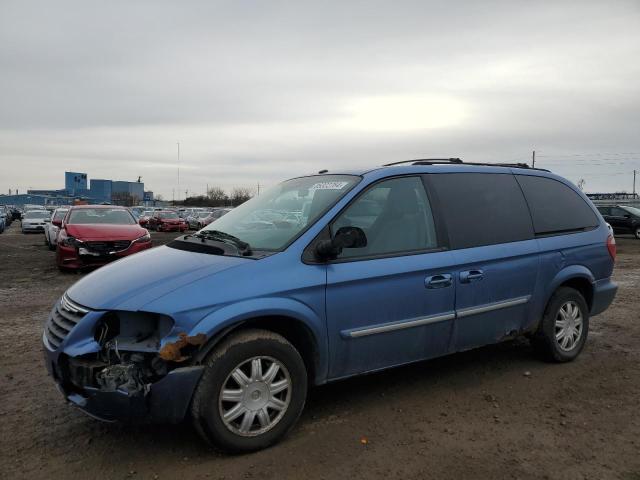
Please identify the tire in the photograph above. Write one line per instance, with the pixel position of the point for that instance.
(545, 342)
(268, 424)
(636, 232)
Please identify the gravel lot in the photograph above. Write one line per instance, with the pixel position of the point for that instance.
(494, 412)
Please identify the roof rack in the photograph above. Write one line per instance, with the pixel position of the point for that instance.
(457, 161)
(425, 161)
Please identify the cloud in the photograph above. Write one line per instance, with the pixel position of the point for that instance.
(261, 91)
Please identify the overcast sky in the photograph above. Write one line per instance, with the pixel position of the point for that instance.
(262, 91)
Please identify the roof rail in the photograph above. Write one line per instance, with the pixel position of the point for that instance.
(425, 161)
(457, 161)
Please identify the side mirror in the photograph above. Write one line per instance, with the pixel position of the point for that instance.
(345, 237)
(57, 223)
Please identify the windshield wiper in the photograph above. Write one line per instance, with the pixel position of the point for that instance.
(243, 247)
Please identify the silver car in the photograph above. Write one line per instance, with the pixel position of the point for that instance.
(52, 227)
(35, 221)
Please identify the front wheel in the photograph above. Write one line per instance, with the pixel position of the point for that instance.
(637, 232)
(564, 327)
(251, 393)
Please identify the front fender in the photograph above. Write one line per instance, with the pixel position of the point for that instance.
(221, 321)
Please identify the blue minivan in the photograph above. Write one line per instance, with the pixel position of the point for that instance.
(328, 276)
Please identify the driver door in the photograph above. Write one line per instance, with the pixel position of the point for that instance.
(392, 301)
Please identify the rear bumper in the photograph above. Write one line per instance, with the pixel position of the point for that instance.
(604, 291)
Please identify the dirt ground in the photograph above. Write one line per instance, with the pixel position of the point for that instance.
(495, 412)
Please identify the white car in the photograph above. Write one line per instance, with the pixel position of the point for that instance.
(52, 227)
(35, 220)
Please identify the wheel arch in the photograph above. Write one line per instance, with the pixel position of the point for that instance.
(577, 277)
(304, 332)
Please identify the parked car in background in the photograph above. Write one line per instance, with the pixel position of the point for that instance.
(143, 219)
(34, 220)
(7, 214)
(214, 215)
(356, 273)
(622, 218)
(196, 220)
(3, 218)
(92, 235)
(52, 227)
(16, 213)
(166, 221)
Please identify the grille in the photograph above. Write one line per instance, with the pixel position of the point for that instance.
(105, 248)
(64, 317)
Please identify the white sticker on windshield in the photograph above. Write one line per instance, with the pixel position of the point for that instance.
(329, 186)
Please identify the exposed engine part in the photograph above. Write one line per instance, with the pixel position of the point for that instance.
(128, 378)
(132, 373)
(179, 351)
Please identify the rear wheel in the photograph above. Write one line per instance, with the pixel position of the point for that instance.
(251, 393)
(564, 327)
(637, 232)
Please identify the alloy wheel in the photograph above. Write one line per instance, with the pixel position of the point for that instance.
(255, 396)
(568, 325)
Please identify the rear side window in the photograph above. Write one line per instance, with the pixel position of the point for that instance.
(555, 207)
(482, 208)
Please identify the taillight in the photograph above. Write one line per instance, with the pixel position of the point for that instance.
(611, 246)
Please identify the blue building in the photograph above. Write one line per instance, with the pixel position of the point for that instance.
(75, 182)
(22, 199)
(101, 190)
(127, 192)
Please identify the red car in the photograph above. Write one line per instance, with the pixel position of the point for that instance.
(92, 235)
(166, 221)
(143, 220)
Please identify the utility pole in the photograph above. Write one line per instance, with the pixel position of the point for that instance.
(533, 159)
(258, 194)
(178, 168)
(634, 184)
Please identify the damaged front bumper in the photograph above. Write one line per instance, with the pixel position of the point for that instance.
(111, 381)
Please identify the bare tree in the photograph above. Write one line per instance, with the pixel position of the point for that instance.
(581, 183)
(240, 195)
(217, 196)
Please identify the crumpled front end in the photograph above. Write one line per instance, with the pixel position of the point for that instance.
(118, 365)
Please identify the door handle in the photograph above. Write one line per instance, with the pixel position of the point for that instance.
(471, 276)
(438, 281)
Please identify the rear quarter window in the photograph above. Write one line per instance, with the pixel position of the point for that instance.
(481, 208)
(555, 207)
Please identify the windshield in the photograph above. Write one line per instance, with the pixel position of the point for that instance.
(202, 214)
(168, 215)
(633, 210)
(273, 219)
(110, 216)
(37, 214)
(59, 215)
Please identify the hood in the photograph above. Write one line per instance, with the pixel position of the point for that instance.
(132, 282)
(105, 232)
